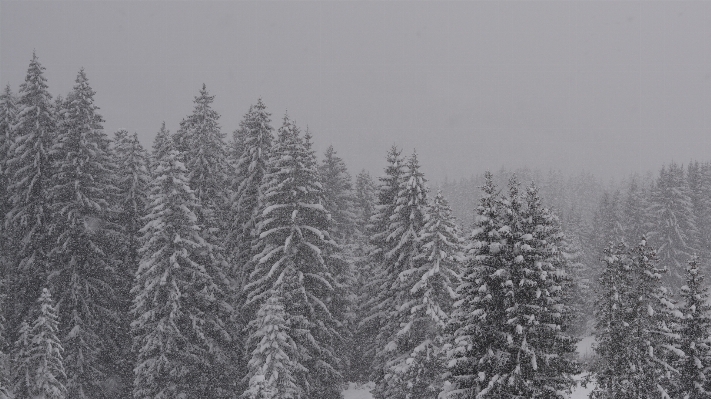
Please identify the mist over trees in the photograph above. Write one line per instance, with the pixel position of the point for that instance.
(252, 267)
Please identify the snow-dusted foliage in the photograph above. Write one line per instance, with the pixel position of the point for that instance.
(273, 372)
(162, 144)
(374, 309)
(675, 231)
(83, 274)
(8, 114)
(695, 331)
(637, 344)
(204, 152)
(293, 239)
(508, 328)
(30, 176)
(5, 376)
(179, 304)
(398, 336)
(338, 195)
(38, 361)
(131, 178)
(254, 138)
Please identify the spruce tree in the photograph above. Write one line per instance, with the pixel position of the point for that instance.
(8, 115)
(431, 284)
(674, 232)
(373, 308)
(273, 374)
(255, 134)
(203, 150)
(695, 331)
(293, 239)
(30, 173)
(83, 273)
(338, 195)
(5, 379)
(131, 179)
(39, 365)
(162, 144)
(179, 306)
(509, 327)
(636, 341)
(395, 337)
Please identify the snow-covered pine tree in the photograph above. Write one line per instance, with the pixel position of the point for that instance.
(636, 341)
(472, 355)
(8, 115)
(132, 178)
(372, 308)
(273, 373)
(293, 238)
(204, 152)
(84, 276)
(338, 195)
(510, 322)
(30, 176)
(5, 384)
(365, 202)
(39, 364)
(695, 331)
(674, 232)
(255, 135)
(395, 338)
(179, 306)
(634, 217)
(430, 298)
(162, 144)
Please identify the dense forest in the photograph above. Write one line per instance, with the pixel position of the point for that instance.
(249, 267)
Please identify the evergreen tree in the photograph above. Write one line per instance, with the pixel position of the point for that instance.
(30, 177)
(255, 134)
(202, 149)
(83, 273)
(406, 223)
(365, 200)
(674, 231)
(132, 179)
(38, 364)
(272, 372)
(338, 195)
(636, 342)
(5, 386)
(429, 302)
(509, 328)
(162, 144)
(8, 114)
(373, 308)
(293, 239)
(695, 331)
(179, 298)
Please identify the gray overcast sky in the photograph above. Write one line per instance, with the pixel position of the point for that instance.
(596, 86)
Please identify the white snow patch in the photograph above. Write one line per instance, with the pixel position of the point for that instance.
(358, 391)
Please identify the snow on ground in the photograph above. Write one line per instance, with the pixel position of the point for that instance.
(358, 391)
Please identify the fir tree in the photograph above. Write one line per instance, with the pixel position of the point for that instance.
(429, 301)
(373, 308)
(636, 342)
(395, 337)
(338, 195)
(132, 180)
(509, 326)
(273, 374)
(294, 240)
(674, 231)
(5, 385)
(30, 177)
(255, 134)
(38, 362)
(83, 274)
(162, 144)
(365, 200)
(695, 331)
(202, 149)
(8, 114)
(179, 298)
